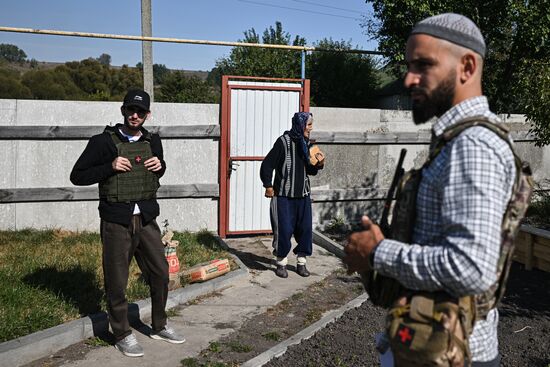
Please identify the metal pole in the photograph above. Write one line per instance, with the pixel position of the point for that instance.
(303, 64)
(179, 40)
(147, 48)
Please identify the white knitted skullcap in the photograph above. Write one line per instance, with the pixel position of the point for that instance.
(454, 28)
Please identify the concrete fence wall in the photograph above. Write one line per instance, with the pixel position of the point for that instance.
(353, 171)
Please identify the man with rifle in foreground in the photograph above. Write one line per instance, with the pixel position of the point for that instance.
(442, 265)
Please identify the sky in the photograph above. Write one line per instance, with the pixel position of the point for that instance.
(218, 20)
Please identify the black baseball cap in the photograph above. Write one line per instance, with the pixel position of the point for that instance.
(137, 97)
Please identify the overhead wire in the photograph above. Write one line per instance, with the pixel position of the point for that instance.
(297, 9)
(327, 6)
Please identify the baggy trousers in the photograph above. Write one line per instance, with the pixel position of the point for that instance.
(291, 216)
(120, 244)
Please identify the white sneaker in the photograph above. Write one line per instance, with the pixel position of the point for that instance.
(129, 346)
(169, 335)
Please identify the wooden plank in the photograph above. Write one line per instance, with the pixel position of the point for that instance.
(542, 265)
(529, 251)
(85, 132)
(421, 137)
(30, 195)
(334, 195)
(536, 231)
(328, 244)
(42, 132)
(541, 251)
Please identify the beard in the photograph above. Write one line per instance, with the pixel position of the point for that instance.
(436, 102)
(131, 127)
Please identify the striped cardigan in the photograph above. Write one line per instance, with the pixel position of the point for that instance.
(291, 169)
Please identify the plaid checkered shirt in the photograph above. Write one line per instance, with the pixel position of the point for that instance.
(461, 201)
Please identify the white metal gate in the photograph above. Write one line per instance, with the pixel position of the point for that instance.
(254, 114)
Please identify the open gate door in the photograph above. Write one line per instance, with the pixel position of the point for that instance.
(255, 111)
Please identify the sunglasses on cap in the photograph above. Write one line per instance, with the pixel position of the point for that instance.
(130, 110)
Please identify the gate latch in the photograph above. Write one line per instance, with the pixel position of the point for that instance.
(232, 166)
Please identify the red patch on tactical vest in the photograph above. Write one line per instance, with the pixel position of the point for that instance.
(137, 159)
(405, 335)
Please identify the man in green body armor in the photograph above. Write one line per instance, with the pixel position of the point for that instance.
(127, 162)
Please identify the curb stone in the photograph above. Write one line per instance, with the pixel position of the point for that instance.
(280, 349)
(42, 343)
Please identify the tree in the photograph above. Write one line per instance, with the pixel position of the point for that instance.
(160, 71)
(124, 79)
(341, 79)
(253, 61)
(104, 59)
(12, 53)
(11, 87)
(517, 33)
(178, 87)
(52, 84)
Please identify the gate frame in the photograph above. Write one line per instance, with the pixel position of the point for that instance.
(225, 136)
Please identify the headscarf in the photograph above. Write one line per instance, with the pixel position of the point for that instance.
(296, 133)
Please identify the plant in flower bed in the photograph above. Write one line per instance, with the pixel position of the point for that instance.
(49, 277)
(538, 214)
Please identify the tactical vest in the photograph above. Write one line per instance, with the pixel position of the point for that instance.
(433, 328)
(383, 291)
(137, 184)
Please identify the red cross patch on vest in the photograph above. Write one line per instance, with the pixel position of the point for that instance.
(405, 335)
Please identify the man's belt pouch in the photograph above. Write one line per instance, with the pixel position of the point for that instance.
(431, 329)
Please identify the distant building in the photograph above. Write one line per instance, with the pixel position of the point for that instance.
(393, 96)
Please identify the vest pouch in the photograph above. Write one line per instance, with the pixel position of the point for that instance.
(431, 329)
(404, 210)
(139, 183)
(382, 290)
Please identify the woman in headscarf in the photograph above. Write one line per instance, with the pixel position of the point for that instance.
(290, 192)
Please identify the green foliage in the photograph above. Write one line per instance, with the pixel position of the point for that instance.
(104, 59)
(11, 87)
(341, 79)
(51, 84)
(535, 98)
(12, 53)
(538, 212)
(517, 34)
(336, 225)
(239, 347)
(252, 61)
(160, 71)
(214, 347)
(272, 335)
(178, 87)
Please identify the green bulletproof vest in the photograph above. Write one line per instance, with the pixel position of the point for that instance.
(383, 291)
(137, 184)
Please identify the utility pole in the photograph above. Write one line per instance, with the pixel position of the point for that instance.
(147, 48)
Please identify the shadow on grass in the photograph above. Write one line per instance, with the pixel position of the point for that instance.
(76, 286)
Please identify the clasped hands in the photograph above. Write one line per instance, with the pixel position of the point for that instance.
(360, 245)
(121, 164)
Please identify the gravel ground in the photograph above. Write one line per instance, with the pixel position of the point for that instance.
(524, 330)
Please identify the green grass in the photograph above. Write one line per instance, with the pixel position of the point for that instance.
(272, 335)
(312, 316)
(96, 342)
(52, 276)
(239, 347)
(214, 347)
